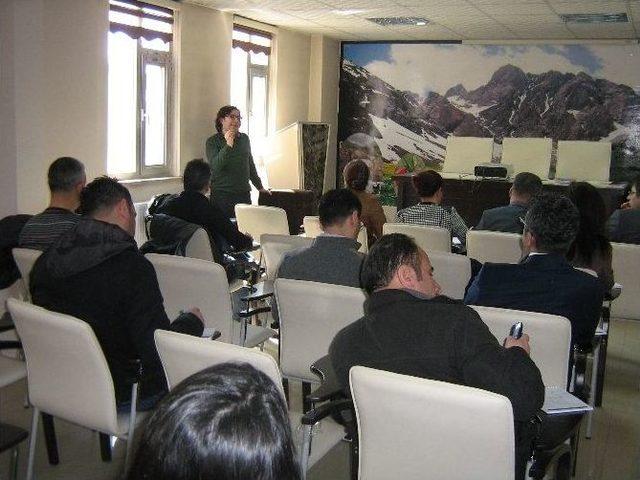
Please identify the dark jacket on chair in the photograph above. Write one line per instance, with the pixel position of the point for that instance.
(544, 284)
(170, 235)
(503, 219)
(624, 226)
(96, 273)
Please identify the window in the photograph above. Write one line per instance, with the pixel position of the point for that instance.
(250, 63)
(140, 89)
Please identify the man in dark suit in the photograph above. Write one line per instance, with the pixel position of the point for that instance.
(409, 328)
(544, 281)
(507, 219)
(624, 224)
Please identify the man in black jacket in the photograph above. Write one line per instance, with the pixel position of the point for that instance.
(192, 206)
(96, 273)
(409, 328)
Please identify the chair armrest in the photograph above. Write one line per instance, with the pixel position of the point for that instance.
(10, 344)
(329, 388)
(259, 291)
(250, 312)
(580, 368)
(314, 415)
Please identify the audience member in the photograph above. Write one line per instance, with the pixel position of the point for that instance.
(96, 273)
(544, 281)
(333, 256)
(591, 248)
(227, 422)
(409, 328)
(356, 177)
(507, 219)
(429, 211)
(66, 180)
(624, 223)
(193, 206)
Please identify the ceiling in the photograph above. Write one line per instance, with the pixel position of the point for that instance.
(448, 19)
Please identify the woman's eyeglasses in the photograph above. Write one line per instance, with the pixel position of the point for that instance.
(235, 117)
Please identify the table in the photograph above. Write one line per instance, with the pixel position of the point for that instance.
(472, 195)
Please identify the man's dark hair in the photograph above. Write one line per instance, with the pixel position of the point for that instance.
(197, 175)
(223, 112)
(336, 205)
(64, 174)
(527, 183)
(227, 422)
(385, 257)
(554, 221)
(356, 175)
(427, 183)
(102, 194)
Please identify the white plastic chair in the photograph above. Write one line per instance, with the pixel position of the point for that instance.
(183, 355)
(25, 259)
(412, 428)
(430, 239)
(626, 258)
(258, 219)
(496, 247)
(190, 282)
(452, 272)
(199, 246)
(274, 248)
(312, 229)
(68, 375)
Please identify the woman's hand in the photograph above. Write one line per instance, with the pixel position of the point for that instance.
(230, 137)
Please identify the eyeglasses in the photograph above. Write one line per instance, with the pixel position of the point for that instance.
(524, 224)
(235, 116)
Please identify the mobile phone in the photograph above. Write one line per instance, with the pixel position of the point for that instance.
(516, 330)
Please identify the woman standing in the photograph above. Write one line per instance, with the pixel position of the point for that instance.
(229, 154)
(356, 178)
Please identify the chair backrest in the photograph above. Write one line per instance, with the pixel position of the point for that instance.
(452, 272)
(25, 258)
(199, 246)
(626, 259)
(580, 160)
(183, 355)
(550, 339)
(275, 246)
(413, 428)
(312, 228)
(311, 314)
(527, 155)
(67, 373)
(258, 219)
(430, 239)
(390, 212)
(496, 247)
(191, 282)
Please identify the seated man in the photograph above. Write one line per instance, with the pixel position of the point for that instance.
(624, 224)
(507, 219)
(96, 273)
(333, 256)
(430, 212)
(66, 180)
(544, 281)
(193, 206)
(409, 328)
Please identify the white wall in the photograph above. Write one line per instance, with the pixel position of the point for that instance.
(292, 77)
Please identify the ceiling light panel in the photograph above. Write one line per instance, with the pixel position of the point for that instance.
(594, 18)
(398, 21)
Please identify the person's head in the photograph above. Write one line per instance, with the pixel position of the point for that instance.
(395, 261)
(109, 201)
(428, 185)
(590, 205)
(550, 225)
(525, 186)
(227, 422)
(634, 193)
(356, 175)
(339, 211)
(228, 117)
(197, 176)
(66, 177)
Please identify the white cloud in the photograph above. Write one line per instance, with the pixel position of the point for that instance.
(421, 67)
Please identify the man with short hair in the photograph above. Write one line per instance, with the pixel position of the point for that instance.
(333, 256)
(95, 272)
(544, 281)
(409, 328)
(624, 223)
(507, 219)
(193, 206)
(66, 180)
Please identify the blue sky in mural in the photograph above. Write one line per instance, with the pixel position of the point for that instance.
(578, 55)
(364, 53)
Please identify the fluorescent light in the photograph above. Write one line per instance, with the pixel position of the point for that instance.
(594, 18)
(402, 21)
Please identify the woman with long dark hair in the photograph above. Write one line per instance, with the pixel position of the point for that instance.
(356, 177)
(591, 249)
(227, 422)
(229, 154)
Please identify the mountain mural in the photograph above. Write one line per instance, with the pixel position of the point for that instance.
(399, 125)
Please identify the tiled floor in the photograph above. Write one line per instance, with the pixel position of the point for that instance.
(612, 454)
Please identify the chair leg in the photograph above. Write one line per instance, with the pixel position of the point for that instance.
(306, 391)
(50, 438)
(32, 443)
(305, 448)
(593, 389)
(285, 386)
(105, 446)
(132, 427)
(602, 362)
(13, 466)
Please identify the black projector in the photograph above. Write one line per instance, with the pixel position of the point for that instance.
(491, 170)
